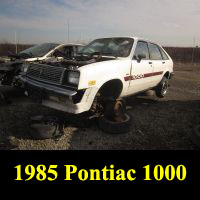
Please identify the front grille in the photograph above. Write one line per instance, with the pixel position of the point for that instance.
(46, 73)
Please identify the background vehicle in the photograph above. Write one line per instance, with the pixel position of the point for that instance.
(9, 71)
(105, 71)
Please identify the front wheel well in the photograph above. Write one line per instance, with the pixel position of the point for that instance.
(167, 75)
(112, 88)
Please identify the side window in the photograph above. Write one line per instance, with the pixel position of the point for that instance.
(78, 48)
(164, 55)
(142, 48)
(68, 51)
(61, 49)
(154, 52)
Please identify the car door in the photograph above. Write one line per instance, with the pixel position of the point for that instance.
(157, 62)
(166, 62)
(141, 69)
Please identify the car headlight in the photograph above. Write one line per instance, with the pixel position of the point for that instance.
(73, 77)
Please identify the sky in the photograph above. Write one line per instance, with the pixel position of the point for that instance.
(168, 22)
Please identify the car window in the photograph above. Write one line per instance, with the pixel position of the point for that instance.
(67, 50)
(120, 47)
(78, 48)
(154, 52)
(39, 50)
(164, 55)
(142, 48)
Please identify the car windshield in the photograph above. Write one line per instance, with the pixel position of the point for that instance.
(119, 47)
(38, 50)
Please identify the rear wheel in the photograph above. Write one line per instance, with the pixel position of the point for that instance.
(162, 88)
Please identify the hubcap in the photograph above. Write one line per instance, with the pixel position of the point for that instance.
(164, 88)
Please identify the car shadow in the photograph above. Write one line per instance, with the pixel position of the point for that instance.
(156, 124)
(8, 94)
(163, 125)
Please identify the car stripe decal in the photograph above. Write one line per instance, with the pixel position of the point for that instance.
(129, 78)
(152, 74)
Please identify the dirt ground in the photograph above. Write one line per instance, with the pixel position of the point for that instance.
(162, 124)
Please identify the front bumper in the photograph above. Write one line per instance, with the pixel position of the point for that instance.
(50, 88)
(58, 98)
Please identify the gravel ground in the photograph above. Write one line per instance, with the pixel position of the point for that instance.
(163, 124)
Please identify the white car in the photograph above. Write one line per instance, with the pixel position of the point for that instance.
(10, 69)
(46, 50)
(106, 70)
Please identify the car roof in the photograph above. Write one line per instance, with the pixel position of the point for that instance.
(146, 40)
(133, 37)
(71, 44)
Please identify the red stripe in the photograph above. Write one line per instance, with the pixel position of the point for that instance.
(152, 74)
(128, 78)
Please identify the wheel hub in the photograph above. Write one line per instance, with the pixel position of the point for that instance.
(164, 88)
(119, 111)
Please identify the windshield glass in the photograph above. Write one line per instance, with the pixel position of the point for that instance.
(120, 47)
(39, 50)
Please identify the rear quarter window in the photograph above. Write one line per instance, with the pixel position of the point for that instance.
(164, 55)
(155, 53)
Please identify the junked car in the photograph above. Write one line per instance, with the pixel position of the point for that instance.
(98, 79)
(9, 71)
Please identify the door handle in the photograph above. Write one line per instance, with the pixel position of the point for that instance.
(163, 62)
(150, 63)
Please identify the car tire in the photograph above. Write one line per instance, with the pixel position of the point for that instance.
(44, 127)
(42, 131)
(162, 88)
(113, 127)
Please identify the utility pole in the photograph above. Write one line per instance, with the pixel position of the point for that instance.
(15, 42)
(194, 41)
(68, 31)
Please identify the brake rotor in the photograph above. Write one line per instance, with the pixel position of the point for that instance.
(119, 109)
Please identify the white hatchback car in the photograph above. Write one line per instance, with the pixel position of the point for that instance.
(105, 70)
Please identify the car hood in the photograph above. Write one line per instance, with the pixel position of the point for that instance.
(111, 61)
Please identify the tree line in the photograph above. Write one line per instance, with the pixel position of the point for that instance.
(180, 54)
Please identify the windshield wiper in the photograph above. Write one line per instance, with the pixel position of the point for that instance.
(109, 54)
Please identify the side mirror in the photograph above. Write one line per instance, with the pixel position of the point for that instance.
(139, 57)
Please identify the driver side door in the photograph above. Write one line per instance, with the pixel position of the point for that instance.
(141, 69)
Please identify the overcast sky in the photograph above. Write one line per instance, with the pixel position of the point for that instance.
(168, 22)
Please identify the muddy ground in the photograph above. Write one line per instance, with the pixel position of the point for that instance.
(156, 123)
